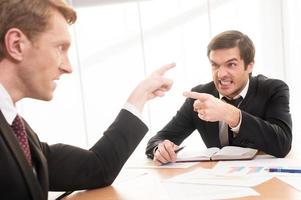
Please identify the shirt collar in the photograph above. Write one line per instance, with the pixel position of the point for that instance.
(243, 93)
(7, 106)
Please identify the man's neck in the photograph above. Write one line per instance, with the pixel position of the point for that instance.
(242, 93)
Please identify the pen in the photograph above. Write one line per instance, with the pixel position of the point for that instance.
(284, 170)
(179, 149)
(64, 195)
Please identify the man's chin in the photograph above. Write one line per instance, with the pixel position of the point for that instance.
(225, 91)
(48, 97)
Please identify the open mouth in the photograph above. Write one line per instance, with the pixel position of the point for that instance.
(225, 83)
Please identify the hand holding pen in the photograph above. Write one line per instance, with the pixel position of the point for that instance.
(166, 152)
(179, 149)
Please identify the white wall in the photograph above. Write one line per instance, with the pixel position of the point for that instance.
(116, 44)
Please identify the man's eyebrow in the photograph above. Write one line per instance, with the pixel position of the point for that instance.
(232, 59)
(212, 62)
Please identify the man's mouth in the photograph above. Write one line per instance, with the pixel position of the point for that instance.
(225, 83)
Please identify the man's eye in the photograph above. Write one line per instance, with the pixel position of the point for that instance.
(232, 65)
(214, 66)
(60, 48)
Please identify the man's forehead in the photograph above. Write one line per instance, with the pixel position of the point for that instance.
(225, 55)
(58, 27)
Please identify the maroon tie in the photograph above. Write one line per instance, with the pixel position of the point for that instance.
(21, 135)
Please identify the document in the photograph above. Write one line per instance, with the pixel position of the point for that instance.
(293, 181)
(130, 175)
(149, 164)
(215, 153)
(178, 191)
(259, 166)
(211, 177)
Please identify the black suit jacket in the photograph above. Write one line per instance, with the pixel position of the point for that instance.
(62, 167)
(266, 120)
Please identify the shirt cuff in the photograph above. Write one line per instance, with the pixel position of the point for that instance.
(132, 109)
(155, 149)
(236, 128)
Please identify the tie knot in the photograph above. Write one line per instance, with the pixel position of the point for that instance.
(234, 102)
(17, 124)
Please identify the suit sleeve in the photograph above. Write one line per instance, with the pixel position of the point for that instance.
(269, 130)
(72, 168)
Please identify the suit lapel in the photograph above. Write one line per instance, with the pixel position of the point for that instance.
(39, 159)
(250, 93)
(12, 143)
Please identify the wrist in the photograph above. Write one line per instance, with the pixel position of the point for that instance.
(233, 116)
(138, 99)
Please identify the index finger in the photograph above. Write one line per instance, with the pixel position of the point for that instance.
(196, 95)
(165, 68)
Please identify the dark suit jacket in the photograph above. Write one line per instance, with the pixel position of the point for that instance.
(62, 167)
(266, 121)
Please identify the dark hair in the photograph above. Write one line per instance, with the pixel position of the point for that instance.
(231, 39)
(30, 16)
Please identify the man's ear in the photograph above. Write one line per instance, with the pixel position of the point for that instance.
(15, 41)
(250, 67)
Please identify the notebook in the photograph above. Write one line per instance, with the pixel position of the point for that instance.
(215, 153)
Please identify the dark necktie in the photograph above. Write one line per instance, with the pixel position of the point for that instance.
(19, 130)
(236, 103)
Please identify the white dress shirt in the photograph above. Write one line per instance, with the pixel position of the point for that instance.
(7, 106)
(223, 126)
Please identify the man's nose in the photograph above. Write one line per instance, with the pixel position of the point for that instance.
(66, 66)
(222, 71)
